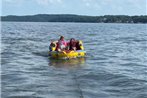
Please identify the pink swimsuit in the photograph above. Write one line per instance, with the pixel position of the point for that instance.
(62, 44)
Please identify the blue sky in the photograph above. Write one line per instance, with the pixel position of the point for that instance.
(80, 7)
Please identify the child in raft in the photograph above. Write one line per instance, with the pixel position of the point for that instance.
(61, 44)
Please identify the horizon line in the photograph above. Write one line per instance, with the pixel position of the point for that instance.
(74, 14)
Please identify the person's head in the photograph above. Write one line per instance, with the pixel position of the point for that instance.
(78, 43)
(61, 37)
(72, 40)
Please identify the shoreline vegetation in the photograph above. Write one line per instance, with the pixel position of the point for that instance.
(76, 18)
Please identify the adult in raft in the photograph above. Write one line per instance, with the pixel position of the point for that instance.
(72, 44)
(61, 44)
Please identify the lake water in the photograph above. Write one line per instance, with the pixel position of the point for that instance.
(115, 65)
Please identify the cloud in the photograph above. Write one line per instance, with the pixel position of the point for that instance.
(87, 2)
(89, 7)
(13, 1)
(7, 0)
(47, 2)
(136, 3)
(40, 2)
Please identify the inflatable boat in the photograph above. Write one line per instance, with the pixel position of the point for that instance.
(66, 54)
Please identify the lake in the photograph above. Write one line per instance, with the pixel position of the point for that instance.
(115, 65)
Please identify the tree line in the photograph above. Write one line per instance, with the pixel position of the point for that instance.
(76, 18)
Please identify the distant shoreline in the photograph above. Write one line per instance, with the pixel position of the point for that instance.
(75, 18)
(70, 22)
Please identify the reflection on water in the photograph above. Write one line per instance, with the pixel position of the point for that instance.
(69, 63)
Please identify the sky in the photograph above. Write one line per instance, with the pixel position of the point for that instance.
(80, 7)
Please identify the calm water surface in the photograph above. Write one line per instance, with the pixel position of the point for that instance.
(115, 66)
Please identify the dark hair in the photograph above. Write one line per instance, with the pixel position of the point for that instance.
(61, 37)
(72, 39)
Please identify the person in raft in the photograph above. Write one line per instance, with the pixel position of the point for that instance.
(61, 44)
(72, 44)
(78, 45)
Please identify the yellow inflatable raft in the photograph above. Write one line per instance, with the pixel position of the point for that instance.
(67, 54)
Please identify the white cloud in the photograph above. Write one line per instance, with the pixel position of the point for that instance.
(59, 1)
(7, 0)
(47, 2)
(13, 1)
(17, 3)
(136, 3)
(43, 2)
(86, 2)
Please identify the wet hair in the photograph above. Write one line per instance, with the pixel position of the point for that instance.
(72, 39)
(61, 37)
